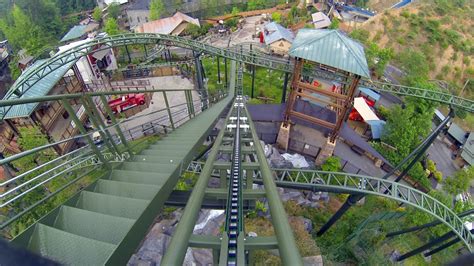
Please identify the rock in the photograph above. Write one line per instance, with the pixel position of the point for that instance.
(280, 163)
(202, 256)
(314, 205)
(252, 234)
(308, 225)
(313, 261)
(303, 202)
(268, 149)
(295, 194)
(394, 256)
(315, 196)
(324, 197)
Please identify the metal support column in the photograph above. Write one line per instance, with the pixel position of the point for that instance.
(354, 198)
(168, 110)
(426, 246)
(146, 52)
(285, 87)
(83, 131)
(93, 114)
(218, 70)
(128, 54)
(225, 73)
(253, 81)
(114, 121)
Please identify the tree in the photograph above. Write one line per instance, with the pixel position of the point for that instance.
(21, 32)
(460, 182)
(111, 27)
(235, 11)
(334, 24)
(332, 164)
(276, 16)
(378, 58)
(97, 14)
(113, 10)
(156, 9)
(415, 65)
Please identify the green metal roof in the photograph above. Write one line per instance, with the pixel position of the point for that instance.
(74, 33)
(468, 150)
(40, 88)
(331, 48)
(457, 133)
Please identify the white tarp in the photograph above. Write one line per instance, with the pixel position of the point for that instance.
(297, 160)
(364, 110)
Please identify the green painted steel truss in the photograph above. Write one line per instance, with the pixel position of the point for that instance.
(244, 56)
(352, 183)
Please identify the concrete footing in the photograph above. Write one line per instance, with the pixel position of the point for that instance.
(283, 138)
(326, 152)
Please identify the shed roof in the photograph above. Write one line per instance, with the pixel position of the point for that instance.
(331, 48)
(166, 25)
(468, 150)
(40, 88)
(372, 94)
(376, 127)
(74, 33)
(457, 133)
(320, 20)
(275, 32)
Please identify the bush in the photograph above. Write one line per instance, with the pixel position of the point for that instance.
(332, 164)
(276, 16)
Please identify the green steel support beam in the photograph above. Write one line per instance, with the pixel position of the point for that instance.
(289, 253)
(83, 131)
(114, 121)
(221, 193)
(107, 138)
(168, 109)
(223, 179)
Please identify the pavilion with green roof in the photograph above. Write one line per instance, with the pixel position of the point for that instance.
(323, 51)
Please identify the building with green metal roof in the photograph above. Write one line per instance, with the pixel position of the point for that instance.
(332, 48)
(468, 150)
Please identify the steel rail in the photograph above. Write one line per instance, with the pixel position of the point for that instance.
(25, 82)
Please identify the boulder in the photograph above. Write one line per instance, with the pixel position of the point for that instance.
(313, 261)
(202, 256)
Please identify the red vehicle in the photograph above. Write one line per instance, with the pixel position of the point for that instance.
(126, 102)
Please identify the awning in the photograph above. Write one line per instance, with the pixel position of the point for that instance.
(100, 54)
(364, 110)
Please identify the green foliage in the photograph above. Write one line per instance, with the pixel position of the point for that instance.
(378, 58)
(460, 182)
(235, 11)
(276, 16)
(113, 10)
(187, 181)
(231, 23)
(334, 24)
(196, 31)
(332, 164)
(360, 35)
(156, 9)
(97, 14)
(415, 65)
(111, 27)
(21, 32)
(255, 4)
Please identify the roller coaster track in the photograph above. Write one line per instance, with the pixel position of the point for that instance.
(352, 183)
(275, 63)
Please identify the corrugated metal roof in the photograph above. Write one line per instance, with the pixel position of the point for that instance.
(468, 150)
(457, 133)
(376, 127)
(372, 94)
(75, 32)
(331, 48)
(166, 25)
(40, 88)
(275, 32)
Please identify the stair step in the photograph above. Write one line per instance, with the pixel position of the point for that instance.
(136, 177)
(150, 167)
(111, 205)
(94, 225)
(124, 189)
(157, 158)
(67, 248)
(161, 152)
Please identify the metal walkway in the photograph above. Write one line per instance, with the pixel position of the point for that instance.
(106, 222)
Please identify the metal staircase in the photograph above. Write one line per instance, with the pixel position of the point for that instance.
(105, 223)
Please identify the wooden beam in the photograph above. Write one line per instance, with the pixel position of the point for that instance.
(313, 88)
(311, 97)
(314, 120)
